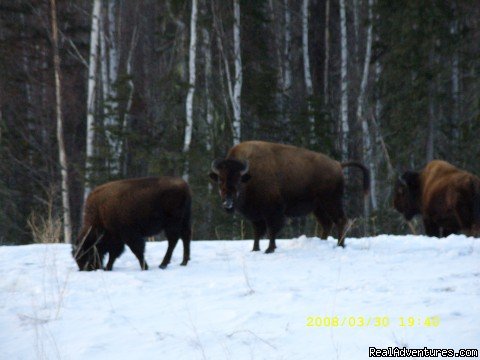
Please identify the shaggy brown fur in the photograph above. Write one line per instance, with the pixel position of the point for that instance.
(125, 212)
(447, 198)
(267, 182)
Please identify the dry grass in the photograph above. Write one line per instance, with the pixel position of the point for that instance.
(47, 228)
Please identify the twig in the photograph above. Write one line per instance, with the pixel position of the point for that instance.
(197, 337)
(247, 279)
(347, 229)
(382, 143)
(412, 227)
(253, 334)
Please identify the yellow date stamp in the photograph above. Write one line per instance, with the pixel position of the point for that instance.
(373, 321)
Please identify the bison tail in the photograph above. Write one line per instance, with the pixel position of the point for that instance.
(366, 174)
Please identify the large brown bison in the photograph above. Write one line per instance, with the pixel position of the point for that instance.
(125, 212)
(447, 198)
(267, 182)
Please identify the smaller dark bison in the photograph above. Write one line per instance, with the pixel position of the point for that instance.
(125, 212)
(269, 182)
(447, 198)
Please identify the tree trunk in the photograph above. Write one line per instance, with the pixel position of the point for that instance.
(366, 137)
(344, 82)
(287, 58)
(327, 51)
(191, 89)
(119, 146)
(377, 118)
(92, 81)
(279, 100)
(207, 54)
(455, 79)
(306, 70)
(28, 95)
(356, 37)
(67, 227)
(223, 56)
(237, 89)
(430, 152)
(113, 119)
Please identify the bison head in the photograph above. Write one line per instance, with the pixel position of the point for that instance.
(229, 174)
(85, 252)
(407, 194)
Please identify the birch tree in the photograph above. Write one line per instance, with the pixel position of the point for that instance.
(237, 89)
(67, 227)
(306, 70)
(191, 87)
(110, 72)
(92, 82)
(366, 137)
(234, 87)
(343, 82)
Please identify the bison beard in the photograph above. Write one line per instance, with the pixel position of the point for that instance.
(125, 212)
(268, 182)
(447, 198)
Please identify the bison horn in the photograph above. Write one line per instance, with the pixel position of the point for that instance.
(245, 167)
(402, 181)
(214, 165)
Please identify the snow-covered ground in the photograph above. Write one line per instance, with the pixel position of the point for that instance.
(230, 303)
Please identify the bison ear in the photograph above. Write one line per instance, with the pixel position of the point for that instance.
(246, 177)
(213, 177)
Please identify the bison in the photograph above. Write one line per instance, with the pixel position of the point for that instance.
(268, 182)
(125, 212)
(447, 198)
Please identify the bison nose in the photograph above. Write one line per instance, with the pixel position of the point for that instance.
(228, 204)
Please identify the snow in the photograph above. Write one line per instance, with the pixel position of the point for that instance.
(231, 303)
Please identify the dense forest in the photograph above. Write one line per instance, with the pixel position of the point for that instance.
(92, 91)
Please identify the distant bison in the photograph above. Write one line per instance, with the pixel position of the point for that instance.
(267, 182)
(125, 212)
(447, 198)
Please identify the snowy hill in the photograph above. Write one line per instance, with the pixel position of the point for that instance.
(230, 303)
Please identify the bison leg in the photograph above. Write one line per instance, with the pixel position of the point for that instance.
(326, 229)
(259, 229)
(115, 249)
(446, 231)
(341, 225)
(333, 211)
(172, 237)
(186, 237)
(138, 249)
(431, 229)
(274, 226)
(325, 221)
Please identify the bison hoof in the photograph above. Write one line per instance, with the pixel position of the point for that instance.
(270, 250)
(163, 266)
(256, 249)
(184, 263)
(145, 267)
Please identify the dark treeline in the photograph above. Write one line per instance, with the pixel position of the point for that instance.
(392, 84)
